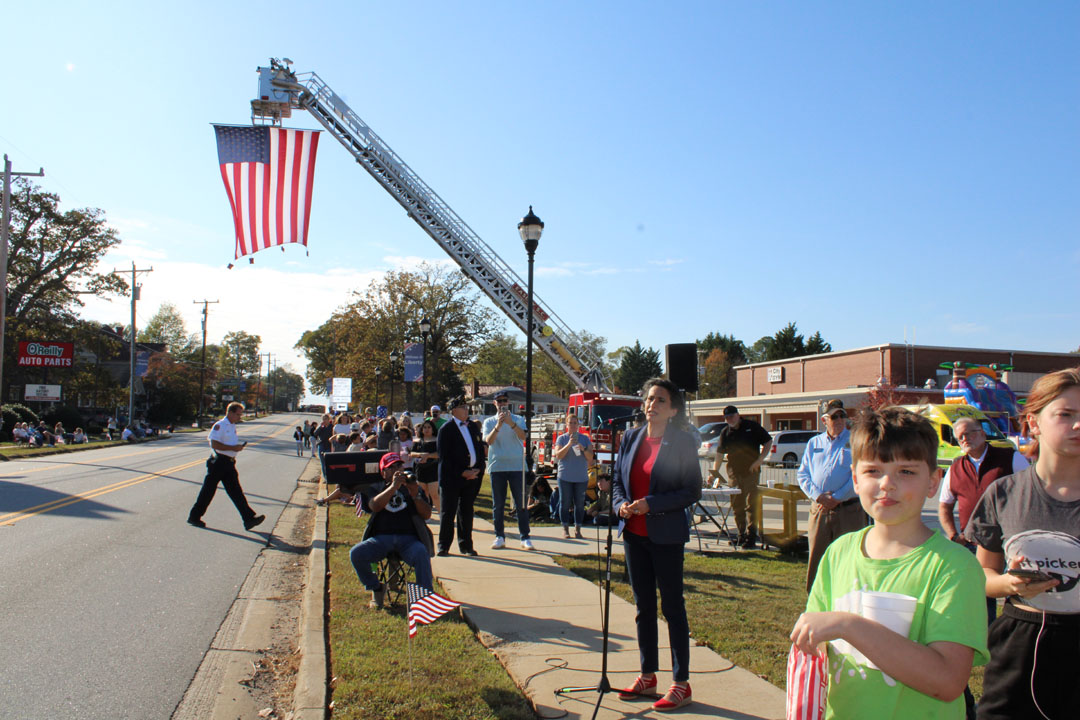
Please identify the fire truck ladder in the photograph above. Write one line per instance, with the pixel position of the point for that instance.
(281, 90)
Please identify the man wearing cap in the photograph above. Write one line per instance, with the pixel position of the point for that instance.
(434, 415)
(504, 434)
(221, 468)
(825, 477)
(461, 469)
(396, 525)
(746, 445)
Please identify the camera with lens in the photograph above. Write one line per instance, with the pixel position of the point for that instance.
(410, 475)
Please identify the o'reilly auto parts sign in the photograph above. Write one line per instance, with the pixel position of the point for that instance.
(46, 354)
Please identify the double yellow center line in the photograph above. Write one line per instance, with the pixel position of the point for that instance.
(13, 517)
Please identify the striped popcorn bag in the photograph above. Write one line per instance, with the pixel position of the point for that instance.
(807, 685)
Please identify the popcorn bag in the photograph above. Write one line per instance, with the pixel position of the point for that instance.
(807, 685)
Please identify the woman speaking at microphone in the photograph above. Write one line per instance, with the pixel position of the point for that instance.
(657, 476)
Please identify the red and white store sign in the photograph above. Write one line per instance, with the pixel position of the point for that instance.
(46, 354)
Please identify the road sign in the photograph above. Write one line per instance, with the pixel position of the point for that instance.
(43, 393)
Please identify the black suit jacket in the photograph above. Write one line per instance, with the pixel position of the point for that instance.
(454, 453)
(674, 485)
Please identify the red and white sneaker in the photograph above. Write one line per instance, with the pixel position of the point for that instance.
(677, 696)
(641, 687)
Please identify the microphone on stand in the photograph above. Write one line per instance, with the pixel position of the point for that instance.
(626, 418)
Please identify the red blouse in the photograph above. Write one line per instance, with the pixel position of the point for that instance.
(640, 475)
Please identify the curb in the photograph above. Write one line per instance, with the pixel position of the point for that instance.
(312, 678)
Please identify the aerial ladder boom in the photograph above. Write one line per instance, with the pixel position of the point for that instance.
(281, 90)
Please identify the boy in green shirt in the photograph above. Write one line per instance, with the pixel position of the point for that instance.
(899, 563)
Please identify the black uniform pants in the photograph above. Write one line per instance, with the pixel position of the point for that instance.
(221, 469)
(457, 503)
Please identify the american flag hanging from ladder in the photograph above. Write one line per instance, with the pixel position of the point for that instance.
(268, 174)
(425, 607)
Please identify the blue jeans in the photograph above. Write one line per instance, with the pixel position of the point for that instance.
(572, 496)
(499, 481)
(375, 548)
(653, 565)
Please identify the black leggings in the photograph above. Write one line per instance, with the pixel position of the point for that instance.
(1007, 685)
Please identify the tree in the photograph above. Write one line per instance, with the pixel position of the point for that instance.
(638, 365)
(723, 354)
(359, 336)
(550, 378)
(288, 388)
(52, 257)
(816, 345)
(167, 326)
(500, 360)
(238, 355)
(759, 351)
(718, 379)
(734, 349)
(172, 389)
(786, 343)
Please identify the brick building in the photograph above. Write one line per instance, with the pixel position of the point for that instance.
(788, 394)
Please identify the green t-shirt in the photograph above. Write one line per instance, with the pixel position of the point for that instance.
(949, 588)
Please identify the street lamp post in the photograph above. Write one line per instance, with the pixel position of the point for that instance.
(425, 330)
(378, 372)
(394, 355)
(530, 229)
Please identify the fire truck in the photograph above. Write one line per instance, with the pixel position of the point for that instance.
(594, 410)
(281, 90)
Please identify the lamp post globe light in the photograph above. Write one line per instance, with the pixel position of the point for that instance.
(425, 330)
(378, 372)
(394, 355)
(530, 229)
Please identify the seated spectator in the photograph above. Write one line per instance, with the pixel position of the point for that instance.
(396, 525)
(339, 443)
(20, 434)
(46, 437)
(128, 435)
(79, 437)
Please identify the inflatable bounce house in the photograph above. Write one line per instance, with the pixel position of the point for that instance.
(981, 386)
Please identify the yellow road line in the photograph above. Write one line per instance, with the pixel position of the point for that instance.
(52, 464)
(72, 499)
(13, 517)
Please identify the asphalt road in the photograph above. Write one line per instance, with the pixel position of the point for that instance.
(108, 598)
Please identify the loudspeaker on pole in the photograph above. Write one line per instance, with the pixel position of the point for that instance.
(680, 359)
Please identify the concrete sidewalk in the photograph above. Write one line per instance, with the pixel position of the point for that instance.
(545, 624)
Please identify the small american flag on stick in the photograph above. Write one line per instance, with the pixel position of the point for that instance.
(425, 606)
(268, 174)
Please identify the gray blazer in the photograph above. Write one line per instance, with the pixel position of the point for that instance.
(675, 483)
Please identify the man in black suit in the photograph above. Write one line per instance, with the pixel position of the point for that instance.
(461, 469)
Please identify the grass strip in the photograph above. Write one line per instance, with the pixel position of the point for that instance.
(451, 674)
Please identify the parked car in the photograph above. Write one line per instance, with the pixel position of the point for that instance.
(710, 438)
(788, 446)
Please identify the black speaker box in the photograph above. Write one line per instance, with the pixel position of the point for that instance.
(681, 362)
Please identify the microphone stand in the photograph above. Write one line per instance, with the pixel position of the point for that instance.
(604, 686)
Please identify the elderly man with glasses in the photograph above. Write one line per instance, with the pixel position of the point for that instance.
(971, 473)
(825, 476)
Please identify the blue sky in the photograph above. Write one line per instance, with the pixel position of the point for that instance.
(863, 169)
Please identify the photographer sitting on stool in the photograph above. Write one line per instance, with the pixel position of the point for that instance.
(396, 524)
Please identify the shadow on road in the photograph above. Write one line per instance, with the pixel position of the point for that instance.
(18, 499)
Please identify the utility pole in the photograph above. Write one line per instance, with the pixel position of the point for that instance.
(258, 390)
(202, 373)
(135, 288)
(5, 221)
